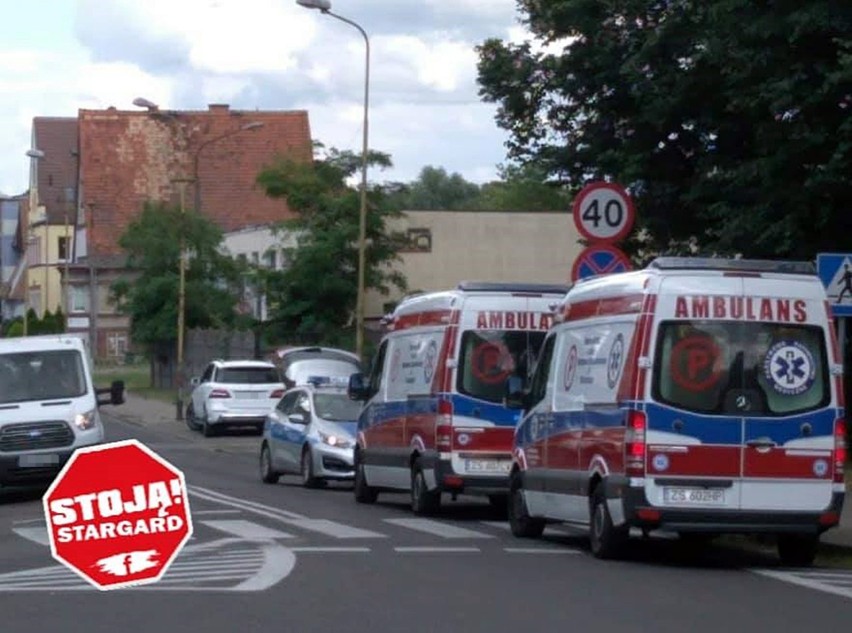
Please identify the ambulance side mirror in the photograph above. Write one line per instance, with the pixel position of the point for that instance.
(359, 387)
(515, 396)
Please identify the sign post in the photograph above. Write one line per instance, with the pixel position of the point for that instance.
(604, 215)
(117, 515)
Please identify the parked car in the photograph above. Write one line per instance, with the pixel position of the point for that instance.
(311, 432)
(233, 393)
(297, 364)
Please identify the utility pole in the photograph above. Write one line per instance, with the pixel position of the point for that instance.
(181, 295)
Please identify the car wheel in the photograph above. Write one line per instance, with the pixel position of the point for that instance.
(267, 474)
(191, 422)
(307, 469)
(207, 428)
(363, 492)
(423, 501)
(796, 550)
(606, 540)
(520, 522)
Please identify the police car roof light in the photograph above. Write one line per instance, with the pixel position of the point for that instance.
(719, 263)
(498, 286)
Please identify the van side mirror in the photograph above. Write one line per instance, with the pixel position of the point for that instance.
(359, 387)
(114, 393)
(515, 396)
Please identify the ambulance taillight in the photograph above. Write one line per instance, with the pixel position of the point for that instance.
(444, 427)
(634, 443)
(839, 450)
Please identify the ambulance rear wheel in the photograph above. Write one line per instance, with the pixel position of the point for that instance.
(606, 540)
(363, 492)
(423, 501)
(521, 523)
(797, 551)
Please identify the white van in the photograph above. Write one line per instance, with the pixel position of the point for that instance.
(48, 406)
(697, 396)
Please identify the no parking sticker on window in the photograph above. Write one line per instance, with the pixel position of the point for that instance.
(692, 363)
(430, 360)
(790, 368)
(613, 363)
(570, 368)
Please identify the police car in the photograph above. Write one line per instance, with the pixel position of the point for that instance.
(311, 432)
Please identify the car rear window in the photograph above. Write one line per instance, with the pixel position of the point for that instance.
(746, 368)
(248, 375)
(489, 357)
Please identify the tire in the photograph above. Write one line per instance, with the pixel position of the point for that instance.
(307, 470)
(363, 492)
(267, 474)
(520, 522)
(797, 550)
(424, 502)
(207, 428)
(606, 540)
(191, 422)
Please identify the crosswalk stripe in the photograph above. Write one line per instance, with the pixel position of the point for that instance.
(334, 529)
(248, 530)
(34, 534)
(436, 528)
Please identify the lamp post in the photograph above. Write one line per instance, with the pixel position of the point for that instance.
(35, 155)
(324, 6)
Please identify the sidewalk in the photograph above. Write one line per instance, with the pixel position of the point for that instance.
(152, 412)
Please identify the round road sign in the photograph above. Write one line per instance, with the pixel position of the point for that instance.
(599, 259)
(603, 212)
(117, 515)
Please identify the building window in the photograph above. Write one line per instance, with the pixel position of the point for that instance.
(116, 344)
(269, 259)
(79, 299)
(255, 258)
(417, 241)
(63, 246)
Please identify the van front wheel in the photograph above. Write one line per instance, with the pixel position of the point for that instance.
(363, 492)
(797, 551)
(607, 541)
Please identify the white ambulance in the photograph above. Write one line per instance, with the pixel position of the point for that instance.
(697, 396)
(433, 419)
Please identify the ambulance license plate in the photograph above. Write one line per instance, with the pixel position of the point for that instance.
(501, 466)
(694, 496)
(34, 461)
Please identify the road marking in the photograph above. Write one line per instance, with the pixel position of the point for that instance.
(309, 550)
(243, 504)
(539, 550)
(436, 550)
(804, 579)
(247, 530)
(436, 528)
(34, 534)
(200, 512)
(19, 521)
(334, 529)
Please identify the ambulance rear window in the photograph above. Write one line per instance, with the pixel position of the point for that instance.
(489, 357)
(741, 368)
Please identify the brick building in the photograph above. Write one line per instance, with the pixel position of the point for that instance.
(130, 157)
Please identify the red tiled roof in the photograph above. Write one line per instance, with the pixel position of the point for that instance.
(128, 158)
(57, 170)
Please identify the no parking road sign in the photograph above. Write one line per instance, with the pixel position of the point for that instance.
(835, 271)
(117, 515)
(599, 259)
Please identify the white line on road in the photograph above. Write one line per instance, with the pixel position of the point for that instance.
(539, 550)
(436, 550)
(19, 521)
(334, 529)
(34, 534)
(802, 581)
(437, 528)
(239, 503)
(200, 512)
(246, 529)
(309, 550)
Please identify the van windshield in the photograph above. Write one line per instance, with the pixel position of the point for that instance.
(751, 368)
(489, 357)
(42, 375)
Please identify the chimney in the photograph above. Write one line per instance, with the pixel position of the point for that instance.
(221, 108)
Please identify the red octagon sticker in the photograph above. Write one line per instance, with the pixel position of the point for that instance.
(117, 515)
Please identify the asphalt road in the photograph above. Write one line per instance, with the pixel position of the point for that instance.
(282, 558)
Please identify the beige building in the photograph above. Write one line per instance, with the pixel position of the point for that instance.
(446, 247)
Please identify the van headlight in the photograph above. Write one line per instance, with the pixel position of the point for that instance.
(85, 421)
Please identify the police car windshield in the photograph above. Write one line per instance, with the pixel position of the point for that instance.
(336, 407)
(248, 375)
(741, 368)
(489, 357)
(47, 375)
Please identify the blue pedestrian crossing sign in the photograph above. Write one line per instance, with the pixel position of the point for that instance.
(835, 271)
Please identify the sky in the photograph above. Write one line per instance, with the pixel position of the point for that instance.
(57, 56)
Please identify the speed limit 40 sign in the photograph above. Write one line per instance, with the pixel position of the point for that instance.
(603, 212)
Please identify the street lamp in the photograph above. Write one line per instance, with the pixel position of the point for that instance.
(324, 6)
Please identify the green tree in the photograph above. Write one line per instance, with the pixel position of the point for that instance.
(150, 296)
(314, 297)
(436, 190)
(523, 188)
(729, 120)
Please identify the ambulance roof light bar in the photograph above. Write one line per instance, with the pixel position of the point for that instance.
(500, 286)
(729, 264)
